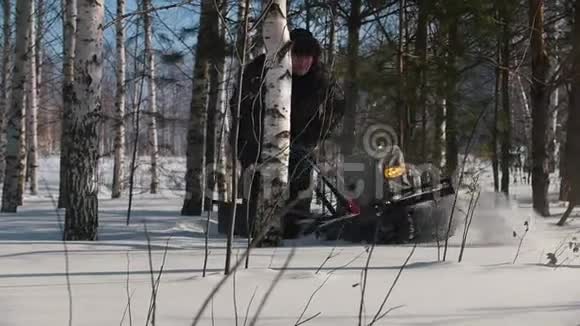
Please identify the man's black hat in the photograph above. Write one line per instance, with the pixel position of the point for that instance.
(304, 43)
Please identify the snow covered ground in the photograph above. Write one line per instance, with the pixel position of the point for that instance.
(110, 282)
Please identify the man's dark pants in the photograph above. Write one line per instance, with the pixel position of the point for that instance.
(299, 177)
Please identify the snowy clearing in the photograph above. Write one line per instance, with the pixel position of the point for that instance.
(486, 288)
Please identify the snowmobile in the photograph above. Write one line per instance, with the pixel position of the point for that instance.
(398, 202)
(381, 198)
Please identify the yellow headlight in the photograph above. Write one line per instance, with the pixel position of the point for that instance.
(393, 172)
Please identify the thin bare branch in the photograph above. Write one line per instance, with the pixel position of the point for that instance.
(299, 321)
(377, 317)
(141, 12)
(272, 286)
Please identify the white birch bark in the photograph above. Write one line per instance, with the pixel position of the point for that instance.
(40, 9)
(119, 160)
(553, 127)
(10, 194)
(443, 133)
(39, 53)
(69, 44)
(555, 152)
(6, 7)
(526, 105)
(222, 122)
(275, 150)
(152, 98)
(81, 219)
(23, 139)
(32, 111)
(215, 101)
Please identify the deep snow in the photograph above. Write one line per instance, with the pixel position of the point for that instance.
(484, 289)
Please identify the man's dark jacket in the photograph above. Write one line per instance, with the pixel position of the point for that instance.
(317, 106)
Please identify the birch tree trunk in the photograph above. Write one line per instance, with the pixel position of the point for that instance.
(4, 84)
(81, 219)
(526, 104)
(438, 136)
(506, 110)
(332, 33)
(40, 9)
(540, 102)
(420, 74)
(39, 49)
(221, 164)
(216, 71)
(69, 41)
(275, 150)
(494, 128)
(554, 140)
(194, 176)
(451, 130)
(221, 110)
(402, 108)
(152, 100)
(10, 193)
(23, 139)
(439, 139)
(40, 17)
(119, 161)
(32, 110)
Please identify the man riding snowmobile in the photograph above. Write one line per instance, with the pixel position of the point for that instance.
(317, 107)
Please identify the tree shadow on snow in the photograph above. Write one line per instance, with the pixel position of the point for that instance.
(416, 265)
(111, 273)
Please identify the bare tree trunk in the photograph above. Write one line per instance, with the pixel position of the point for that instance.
(40, 32)
(195, 175)
(216, 71)
(39, 66)
(275, 151)
(39, 48)
(506, 110)
(438, 153)
(332, 33)
(32, 111)
(24, 135)
(540, 101)
(526, 104)
(572, 147)
(4, 88)
(567, 213)
(221, 178)
(351, 88)
(420, 74)
(81, 218)
(554, 139)
(10, 194)
(217, 179)
(242, 48)
(494, 130)
(119, 161)
(69, 30)
(150, 62)
(402, 108)
(451, 130)
(308, 10)
(23, 140)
